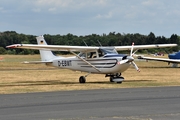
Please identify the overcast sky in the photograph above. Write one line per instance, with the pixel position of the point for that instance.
(85, 17)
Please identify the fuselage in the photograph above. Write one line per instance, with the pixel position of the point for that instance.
(106, 65)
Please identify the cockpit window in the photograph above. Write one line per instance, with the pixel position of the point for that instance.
(88, 55)
(99, 53)
(83, 55)
(91, 55)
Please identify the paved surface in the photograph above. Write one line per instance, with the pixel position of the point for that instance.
(158, 103)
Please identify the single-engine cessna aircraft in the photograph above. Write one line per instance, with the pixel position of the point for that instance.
(173, 58)
(99, 60)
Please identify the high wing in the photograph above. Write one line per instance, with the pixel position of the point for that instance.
(84, 48)
(53, 47)
(160, 59)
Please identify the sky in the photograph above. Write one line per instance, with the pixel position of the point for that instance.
(86, 17)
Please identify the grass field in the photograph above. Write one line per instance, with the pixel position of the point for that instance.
(22, 78)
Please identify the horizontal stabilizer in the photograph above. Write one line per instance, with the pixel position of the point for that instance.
(36, 62)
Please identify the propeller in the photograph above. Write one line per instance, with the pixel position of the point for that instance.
(131, 54)
(131, 59)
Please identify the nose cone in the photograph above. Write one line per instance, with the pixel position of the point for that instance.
(130, 59)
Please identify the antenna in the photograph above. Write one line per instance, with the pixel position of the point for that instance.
(99, 43)
(85, 43)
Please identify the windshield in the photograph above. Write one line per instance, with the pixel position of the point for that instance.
(108, 50)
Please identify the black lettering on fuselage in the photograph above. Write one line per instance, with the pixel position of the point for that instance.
(64, 63)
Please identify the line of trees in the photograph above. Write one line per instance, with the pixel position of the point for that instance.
(111, 39)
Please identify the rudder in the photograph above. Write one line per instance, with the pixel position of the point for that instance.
(46, 55)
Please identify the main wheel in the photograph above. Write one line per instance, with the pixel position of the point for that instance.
(82, 79)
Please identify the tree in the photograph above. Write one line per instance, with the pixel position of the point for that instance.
(2, 50)
(175, 39)
(151, 38)
(111, 39)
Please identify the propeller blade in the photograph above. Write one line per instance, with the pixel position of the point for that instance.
(131, 54)
(134, 52)
(132, 49)
(136, 67)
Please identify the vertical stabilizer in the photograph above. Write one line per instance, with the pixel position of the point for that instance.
(46, 55)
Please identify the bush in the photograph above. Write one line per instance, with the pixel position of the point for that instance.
(2, 50)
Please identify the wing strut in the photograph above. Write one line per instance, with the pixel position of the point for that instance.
(85, 61)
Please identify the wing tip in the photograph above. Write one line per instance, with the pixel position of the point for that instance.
(13, 46)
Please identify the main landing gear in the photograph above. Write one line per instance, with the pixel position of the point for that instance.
(82, 79)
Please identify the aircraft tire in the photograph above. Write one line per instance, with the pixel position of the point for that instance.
(119, 82)
(82, 79)
(111, 79)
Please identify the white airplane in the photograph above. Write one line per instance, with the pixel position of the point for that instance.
(99, 60)
(173, 58)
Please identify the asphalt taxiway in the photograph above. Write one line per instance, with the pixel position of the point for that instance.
(154, 103)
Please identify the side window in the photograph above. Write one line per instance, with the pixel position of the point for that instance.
(101, 53)
(83, 55)
(92, 55)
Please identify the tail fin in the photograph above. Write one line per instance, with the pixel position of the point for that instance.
(45, 54)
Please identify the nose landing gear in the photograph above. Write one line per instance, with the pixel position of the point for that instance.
(115, 77)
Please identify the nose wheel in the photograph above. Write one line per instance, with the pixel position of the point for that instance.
(115, 78)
